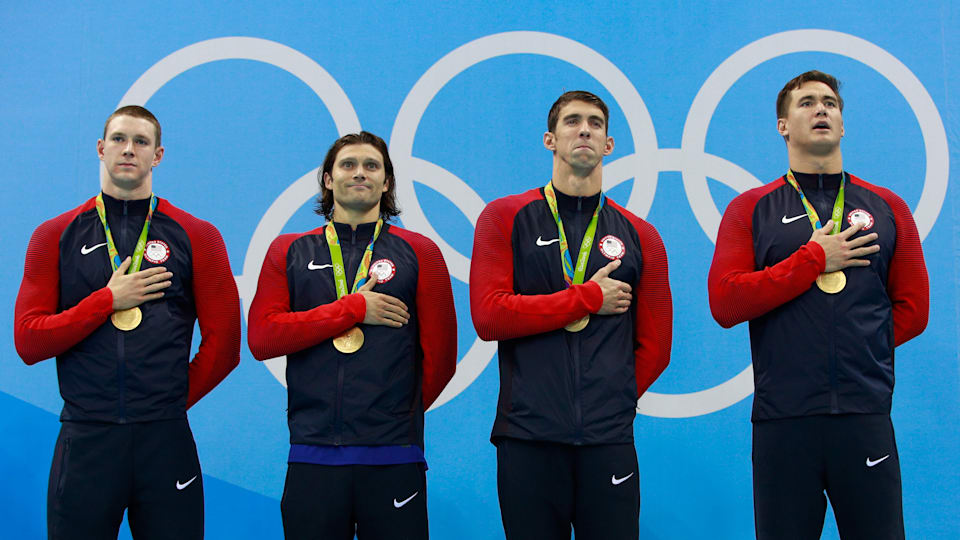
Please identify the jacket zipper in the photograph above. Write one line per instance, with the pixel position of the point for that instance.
(832, 341)
(121, 352)
(338, 412)
(575, 342)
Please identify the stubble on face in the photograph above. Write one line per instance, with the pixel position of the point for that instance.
(357, 181)
(129, 152)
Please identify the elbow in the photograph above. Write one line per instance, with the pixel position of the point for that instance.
(259, 343)
(483, 324)
(723, 317)
(27, 347)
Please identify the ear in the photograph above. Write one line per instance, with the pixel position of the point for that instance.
(550, 141)
(100, 149)
(782, 127)
(386, 185)
(157, 156)
(608, 146)
(327, 181)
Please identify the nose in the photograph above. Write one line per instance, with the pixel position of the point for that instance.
(128, 147)
(585, 130)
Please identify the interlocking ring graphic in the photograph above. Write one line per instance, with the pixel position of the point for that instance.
(644, 165)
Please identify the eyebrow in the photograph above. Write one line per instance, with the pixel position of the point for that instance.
(818, 96)
(135, 136)
(578, 116)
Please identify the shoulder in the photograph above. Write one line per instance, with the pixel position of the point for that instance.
(195, 227)
(283, 242)
(744, 203)
(420, 243)
(511, 204)
(55, 226)
(892, 199)
(642, 226)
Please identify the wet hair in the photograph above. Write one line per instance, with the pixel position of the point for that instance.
(783, 98)
(135, 111)
(576, 95)
(388, 200)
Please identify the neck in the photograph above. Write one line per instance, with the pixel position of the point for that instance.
(831, 163)
(123, 193)
(353, 217)
(576, 184)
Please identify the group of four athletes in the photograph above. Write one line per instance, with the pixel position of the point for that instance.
(572, 286)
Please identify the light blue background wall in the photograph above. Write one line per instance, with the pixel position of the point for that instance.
(691, 87)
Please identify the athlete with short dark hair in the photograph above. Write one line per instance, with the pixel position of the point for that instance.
(575, 354)
(363, 309)
(826, 311)
(113, 288)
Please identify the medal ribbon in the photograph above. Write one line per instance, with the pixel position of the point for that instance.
(812, 212)
(573, 276)
(112, 253)
(336, 257)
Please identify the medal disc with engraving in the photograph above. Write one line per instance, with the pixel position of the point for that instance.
(578, 324)
(832, 282)
(349, 341)
(127, 319)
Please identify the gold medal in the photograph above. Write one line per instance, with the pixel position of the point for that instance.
(127, 319)
(349, 341)
(578, 324)
(832, 282)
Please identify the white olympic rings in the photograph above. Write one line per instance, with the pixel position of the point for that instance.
(643, 165)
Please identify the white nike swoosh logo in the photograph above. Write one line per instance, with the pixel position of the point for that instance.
(85, 250)
(872, 463)
(405, 501)
(542, 242)
(181, 486)
(311, 266)
(617, 481)
(786, 220)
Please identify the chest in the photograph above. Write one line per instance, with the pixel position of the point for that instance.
(781, 226)
(311, 273)
(538, 261)
(85, 262)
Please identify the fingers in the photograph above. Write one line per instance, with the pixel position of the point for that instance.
(865, 239)
(385, 310)
(851, 230)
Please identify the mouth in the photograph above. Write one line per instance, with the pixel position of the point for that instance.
(821, 126)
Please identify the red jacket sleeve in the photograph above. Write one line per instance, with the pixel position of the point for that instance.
(274, 330)
(217, 303)
(436, 316)
(654, 307)
(498, 312)
(39, 331)
(907, 283)
(739, 292)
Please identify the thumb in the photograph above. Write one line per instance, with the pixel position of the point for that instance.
(122, 269)
(827, 227)
(605, 271)
(368, 285)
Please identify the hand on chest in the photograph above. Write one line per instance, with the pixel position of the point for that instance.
(781, 225)
(540, 263)
(313, 275)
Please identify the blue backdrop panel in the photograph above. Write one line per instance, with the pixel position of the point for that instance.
(250, 98)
